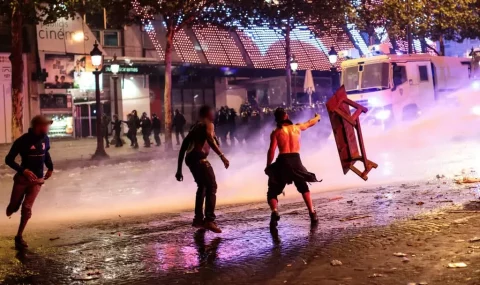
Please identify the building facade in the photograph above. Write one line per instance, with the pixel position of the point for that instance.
(211, 66)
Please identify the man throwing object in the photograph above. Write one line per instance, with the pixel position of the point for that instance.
(288, 167)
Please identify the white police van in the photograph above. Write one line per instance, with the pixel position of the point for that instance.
(397, 87)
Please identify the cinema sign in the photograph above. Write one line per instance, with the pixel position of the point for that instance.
(65, 36)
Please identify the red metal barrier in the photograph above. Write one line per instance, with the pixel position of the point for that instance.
(344, 124)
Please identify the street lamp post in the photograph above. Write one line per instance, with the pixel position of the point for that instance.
(115, 68)
(96, 56)
(332, 58)
(294, 67)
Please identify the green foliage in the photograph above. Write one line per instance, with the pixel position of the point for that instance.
(433, 19)
(119, 12)
(367, 16)
(284, 15)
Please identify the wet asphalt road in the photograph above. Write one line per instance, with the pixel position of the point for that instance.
(127, 248)
(164, 249)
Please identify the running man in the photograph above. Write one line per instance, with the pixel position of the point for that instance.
(288, 167)
(197, 145)
(33, 149)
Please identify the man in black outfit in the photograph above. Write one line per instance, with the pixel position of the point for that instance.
(197, 145)
(33, 149)
(133, 125)
(117, 128)
(178, 124)
(105, 125)
(222, 125)
(146, 125)
(232, 125)
(156, 127)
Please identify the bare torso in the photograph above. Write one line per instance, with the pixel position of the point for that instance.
(199, 139)
(201, 133)
(288, 139)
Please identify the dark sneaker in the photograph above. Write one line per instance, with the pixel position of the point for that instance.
(212, 226)
(313, 218)
(20, 243)
(199, 224)
(274, 218)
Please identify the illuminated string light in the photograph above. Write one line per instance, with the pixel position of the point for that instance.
(264, 46)
(149, 28)
(219, 46)
(185, 48)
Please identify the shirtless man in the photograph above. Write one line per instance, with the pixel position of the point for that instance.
(197, 145)
(288, 167)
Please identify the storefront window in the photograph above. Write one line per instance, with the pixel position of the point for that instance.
(53, 101)
(62, 125)
(110, 38)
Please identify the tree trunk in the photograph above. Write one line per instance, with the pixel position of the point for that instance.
(167, 96)
(288, 58)
(409, 40)
(16, 59)
(442, 45)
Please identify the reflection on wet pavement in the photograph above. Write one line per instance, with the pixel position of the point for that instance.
(137, 245)
(164, 249)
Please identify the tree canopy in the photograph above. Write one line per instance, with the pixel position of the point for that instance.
(437, 20)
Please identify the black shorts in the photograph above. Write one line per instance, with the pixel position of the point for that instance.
(276, 188)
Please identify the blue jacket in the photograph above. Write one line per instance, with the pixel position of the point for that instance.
(33, 150)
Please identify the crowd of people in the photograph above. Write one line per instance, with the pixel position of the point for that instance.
(251, 126)
(147, 126)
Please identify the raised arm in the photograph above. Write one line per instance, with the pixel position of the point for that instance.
(213, 143)
(272, 148)
(310, 123)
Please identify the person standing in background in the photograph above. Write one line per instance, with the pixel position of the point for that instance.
(33, 148)
(133, 125)
(178, 124)
(232, 125)
(222, 125)
(105, 124)
(146, 126)
(117, 128)
(156, 127)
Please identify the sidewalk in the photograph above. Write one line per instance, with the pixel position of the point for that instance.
(78, 153)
